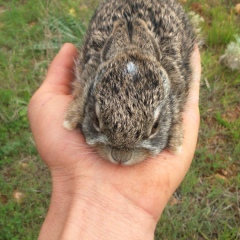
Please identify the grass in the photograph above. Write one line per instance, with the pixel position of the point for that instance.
(206, 205)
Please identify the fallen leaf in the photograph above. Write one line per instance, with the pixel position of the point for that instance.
(2, 9)
(174, 201)
(18, 196)
(24, 165)
(197, 7)
(83, 7)
(237, 8)
(3, 198)
(221, 177)
(72, 12)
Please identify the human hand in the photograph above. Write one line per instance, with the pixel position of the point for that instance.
(115, 201)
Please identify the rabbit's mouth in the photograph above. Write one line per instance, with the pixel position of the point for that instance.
(121, 155)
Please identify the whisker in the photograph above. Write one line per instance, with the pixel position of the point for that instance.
(75, 143)
(84, 155)
(88, 159)
(81, 148)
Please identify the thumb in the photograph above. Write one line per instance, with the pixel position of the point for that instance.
(57, 82)
(60, 72)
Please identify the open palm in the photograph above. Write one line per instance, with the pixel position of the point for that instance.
(148, 185)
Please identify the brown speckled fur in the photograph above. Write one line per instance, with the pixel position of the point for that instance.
(132, 79)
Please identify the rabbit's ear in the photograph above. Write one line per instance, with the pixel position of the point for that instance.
(134, 32)
(144, 39)
(119, 39)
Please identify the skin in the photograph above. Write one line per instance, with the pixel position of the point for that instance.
(93, 198)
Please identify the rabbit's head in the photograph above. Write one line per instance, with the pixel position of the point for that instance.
(125, 112)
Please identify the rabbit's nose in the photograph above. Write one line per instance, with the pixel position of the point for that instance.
(121, 155)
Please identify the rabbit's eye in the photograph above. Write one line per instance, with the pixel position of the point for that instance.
(155, 128)
(96, 124)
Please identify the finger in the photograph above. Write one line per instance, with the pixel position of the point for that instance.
(193, 97)
(191, 117)
(178, 169)
(191, 110)
(170, 169)
(190, 124)
(60, 72)
(57, 81)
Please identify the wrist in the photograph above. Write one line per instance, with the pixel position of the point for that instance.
(59, 208)
(82, 207)
(98, 212)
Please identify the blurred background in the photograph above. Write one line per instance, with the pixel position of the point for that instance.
(206, 205)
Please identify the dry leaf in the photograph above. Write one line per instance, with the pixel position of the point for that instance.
(219, 176)
(197, 7)
(83, 7)
(237, 8)
(3, 199)
(174, 201)
(24, 165)
(18, 196)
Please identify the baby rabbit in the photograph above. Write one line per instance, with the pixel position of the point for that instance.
(132, 79)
